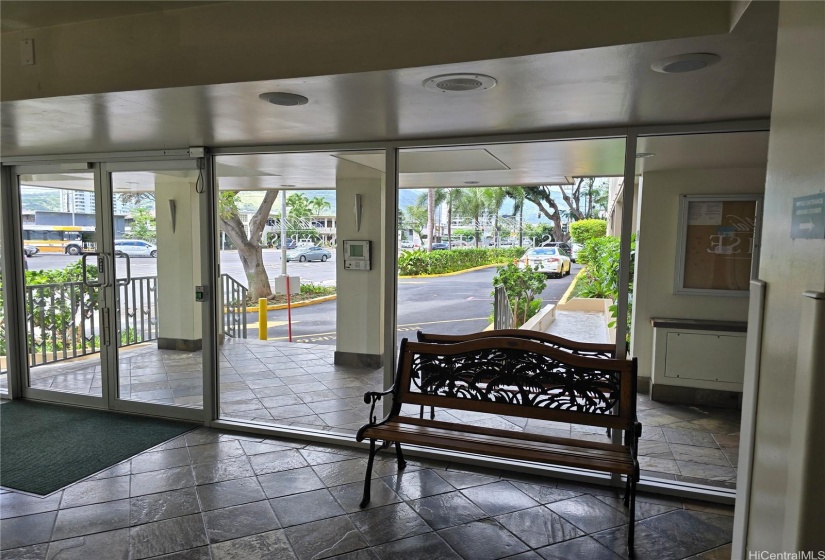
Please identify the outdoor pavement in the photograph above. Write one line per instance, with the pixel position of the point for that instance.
(225, 496)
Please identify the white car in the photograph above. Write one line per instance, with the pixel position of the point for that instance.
(549, 260)
(135, 248)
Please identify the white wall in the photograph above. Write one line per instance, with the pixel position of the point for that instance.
(656, 248)
(359, 302)
(178, 262)
(796, 167)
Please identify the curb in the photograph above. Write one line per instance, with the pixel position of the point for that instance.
(572, 285)
(457, 272)
(280, 306)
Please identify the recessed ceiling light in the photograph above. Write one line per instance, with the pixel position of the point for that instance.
(284, 99)
(644, 154)
(459, 83)
(470, 182)
(682, 63)
(287, 186)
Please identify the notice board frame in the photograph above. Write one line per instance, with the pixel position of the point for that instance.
(725, 262)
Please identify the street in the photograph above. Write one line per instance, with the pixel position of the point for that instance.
(448, 304)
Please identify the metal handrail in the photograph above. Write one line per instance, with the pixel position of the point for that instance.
(62, 319)
(234, 307)
(502, 311)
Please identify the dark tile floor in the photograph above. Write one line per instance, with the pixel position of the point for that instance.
(219, 495)
(298, 385)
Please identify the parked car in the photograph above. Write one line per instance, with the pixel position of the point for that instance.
(549, 260)
(564, 246)
(574, 251)
(440, 246)
(407, 245)
(305, 254)
(290, 244)
(135, 248)
(30, 250)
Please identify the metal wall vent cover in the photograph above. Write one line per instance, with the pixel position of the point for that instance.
(459, 83)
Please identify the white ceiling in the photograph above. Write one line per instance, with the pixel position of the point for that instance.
(611, 86)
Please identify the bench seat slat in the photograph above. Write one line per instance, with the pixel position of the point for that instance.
(618, 461)
(509, 434)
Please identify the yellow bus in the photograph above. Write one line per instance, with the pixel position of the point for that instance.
(71, 240)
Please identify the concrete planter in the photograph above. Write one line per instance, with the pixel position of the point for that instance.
(597, 305)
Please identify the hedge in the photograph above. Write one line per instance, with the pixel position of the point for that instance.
(416, 263)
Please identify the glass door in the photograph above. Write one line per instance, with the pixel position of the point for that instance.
(156, 255)
(64, 280)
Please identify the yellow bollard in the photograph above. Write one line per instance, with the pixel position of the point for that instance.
(262, 319)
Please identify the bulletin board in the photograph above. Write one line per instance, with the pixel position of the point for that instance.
(718, 244)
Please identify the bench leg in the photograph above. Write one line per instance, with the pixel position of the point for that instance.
(627, 491)
(368, 480)
(631, 528)
(401, 462)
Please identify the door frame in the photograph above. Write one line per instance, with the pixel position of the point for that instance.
(18, 363)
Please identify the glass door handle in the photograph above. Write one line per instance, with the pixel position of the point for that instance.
(125, 281)
(102, 274)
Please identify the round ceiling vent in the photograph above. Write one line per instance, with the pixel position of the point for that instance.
(682, 63)
(284, 99)
(459, 83)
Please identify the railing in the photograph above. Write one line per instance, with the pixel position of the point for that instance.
(234, 307)
(138, 311)
(62, 320)
(502, 312)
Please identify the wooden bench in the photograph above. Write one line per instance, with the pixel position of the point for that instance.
(511, 376)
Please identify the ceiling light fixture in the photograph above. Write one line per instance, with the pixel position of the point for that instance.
(470, 182)
(644, 154)
(459, 83)
(287, 186)
(284, 99)
(682, 63)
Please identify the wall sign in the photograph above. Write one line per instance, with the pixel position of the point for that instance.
(718, 244)
(808, 217)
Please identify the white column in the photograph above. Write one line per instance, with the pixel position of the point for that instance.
(178, 262)
(359, 303)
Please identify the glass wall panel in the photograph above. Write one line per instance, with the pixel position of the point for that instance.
(306, 358)
(62, 288)
(157, 255)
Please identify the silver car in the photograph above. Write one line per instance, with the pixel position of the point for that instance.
(135, 248)
(305, 254)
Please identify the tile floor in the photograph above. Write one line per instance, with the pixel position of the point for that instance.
(219, 495)
(298, 385)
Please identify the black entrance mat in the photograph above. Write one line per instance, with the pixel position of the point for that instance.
(44, 447)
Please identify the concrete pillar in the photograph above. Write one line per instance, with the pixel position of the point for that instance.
(178, 262)
(359, 317)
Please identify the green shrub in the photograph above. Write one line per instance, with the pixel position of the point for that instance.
(601, 275)
(585, 230)
(522, 287)
(416, 263)
(317, 290)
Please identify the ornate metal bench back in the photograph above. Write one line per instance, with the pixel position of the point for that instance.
(515, 377)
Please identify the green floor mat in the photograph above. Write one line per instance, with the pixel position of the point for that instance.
(44, 447)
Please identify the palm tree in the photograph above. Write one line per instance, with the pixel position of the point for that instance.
(473, 203)
(517, 194)
(453, 198)
(319, 204)
(494, 197)
(299, 206)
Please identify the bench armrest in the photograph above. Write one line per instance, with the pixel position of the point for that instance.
(371, 398)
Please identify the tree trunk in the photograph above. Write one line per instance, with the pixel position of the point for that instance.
(430, 220)
(450, 223)
(249, 248)
(251, 256)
